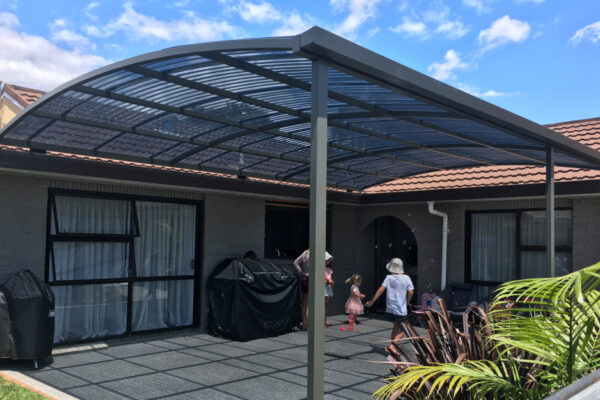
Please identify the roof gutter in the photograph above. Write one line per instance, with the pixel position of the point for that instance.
(444, 240)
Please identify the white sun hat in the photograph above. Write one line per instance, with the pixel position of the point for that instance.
(328, 256)
(395, 266)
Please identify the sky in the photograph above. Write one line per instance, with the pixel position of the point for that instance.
(537, 58)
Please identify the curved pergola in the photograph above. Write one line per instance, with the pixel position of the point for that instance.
(243, 107)
(313, 108)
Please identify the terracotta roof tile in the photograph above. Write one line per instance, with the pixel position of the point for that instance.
(586, 131)
(150, 166)
(25, 96)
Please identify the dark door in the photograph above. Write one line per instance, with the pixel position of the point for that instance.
(393, 238)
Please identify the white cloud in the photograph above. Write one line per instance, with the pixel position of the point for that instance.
(292, 24)
(479, 6)
(144, 27)
(411, 28)
(8, 20)
(359, 12)
(436, 19)
(36, 62)
(487, 94)
(452, 29)
(59, 32)
(589, 32)
(530, 1)
(502, 31)
(181, 4)
(445, 70)
(89, 8)
(257, 12)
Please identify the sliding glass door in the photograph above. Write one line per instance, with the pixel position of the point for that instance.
(120, 265)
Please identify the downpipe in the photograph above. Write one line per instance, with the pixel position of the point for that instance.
(444, 239)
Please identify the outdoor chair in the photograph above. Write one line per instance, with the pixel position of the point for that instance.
(459, 297)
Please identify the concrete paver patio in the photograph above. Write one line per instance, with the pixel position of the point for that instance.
(190, 365)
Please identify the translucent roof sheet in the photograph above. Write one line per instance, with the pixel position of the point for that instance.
(244, 108)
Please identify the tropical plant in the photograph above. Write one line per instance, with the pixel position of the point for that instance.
(541, 335)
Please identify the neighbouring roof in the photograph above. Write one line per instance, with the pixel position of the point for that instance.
(586, 131)
(22, 95)
(243, 108)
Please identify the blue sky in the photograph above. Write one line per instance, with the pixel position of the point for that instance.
(537, 58)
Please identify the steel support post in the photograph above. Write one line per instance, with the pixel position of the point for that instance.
(318, 199)
(550, 214)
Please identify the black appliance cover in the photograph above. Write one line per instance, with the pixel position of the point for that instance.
(250, 299)
(26, 317)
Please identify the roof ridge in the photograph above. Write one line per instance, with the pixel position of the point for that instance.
(573, 121)
(23, 88)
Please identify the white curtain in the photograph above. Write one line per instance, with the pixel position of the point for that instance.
(91, 215)
(493, 246)
(166, 244)
(162, 304)
(90, 260)
(88, 311)
(533, 233)
(165, 247)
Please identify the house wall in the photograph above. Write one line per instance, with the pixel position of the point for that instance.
(235, 224)
(586, 232)
(232, 224)
(427, 229)
(8, 110)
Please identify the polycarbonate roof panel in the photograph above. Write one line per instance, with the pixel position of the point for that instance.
(174, 152)
(244, 108)
(129, 144)
(203, 155)
(76, 136)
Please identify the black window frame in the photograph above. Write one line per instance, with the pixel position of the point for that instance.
(132, 278)
(518, 212)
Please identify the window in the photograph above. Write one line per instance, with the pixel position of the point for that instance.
(120, 264)
(508, 245)
(287, 229)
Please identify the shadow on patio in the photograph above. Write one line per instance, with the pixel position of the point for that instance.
(189, 365)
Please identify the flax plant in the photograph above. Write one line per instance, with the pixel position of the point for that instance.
(542, 334)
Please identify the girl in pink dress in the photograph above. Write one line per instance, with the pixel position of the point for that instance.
(354, 304)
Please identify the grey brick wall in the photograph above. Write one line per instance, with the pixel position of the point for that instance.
(232, 226)
(586, 232)
(22, 225)
(343, 249)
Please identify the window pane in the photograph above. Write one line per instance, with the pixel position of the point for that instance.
(166, 245)
(162, 304)
(533, 264)
(493, 246)
(88, 215)
(89, 311)
(90, 260)
(533, 228)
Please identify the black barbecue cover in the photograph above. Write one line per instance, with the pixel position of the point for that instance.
(26, 317)
(250, 299)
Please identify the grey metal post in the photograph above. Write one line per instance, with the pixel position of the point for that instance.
(318, 199)
(550, 217)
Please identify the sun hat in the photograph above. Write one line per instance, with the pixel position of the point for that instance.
(395, 266)
(328, 256)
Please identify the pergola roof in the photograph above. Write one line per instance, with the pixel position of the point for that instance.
(243, 107)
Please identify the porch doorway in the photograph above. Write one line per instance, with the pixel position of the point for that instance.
(393, 238)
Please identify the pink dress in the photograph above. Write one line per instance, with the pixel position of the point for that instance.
(354, 305)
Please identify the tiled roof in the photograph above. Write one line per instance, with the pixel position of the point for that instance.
(24, 96)
(155, 167)
(586, 131)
